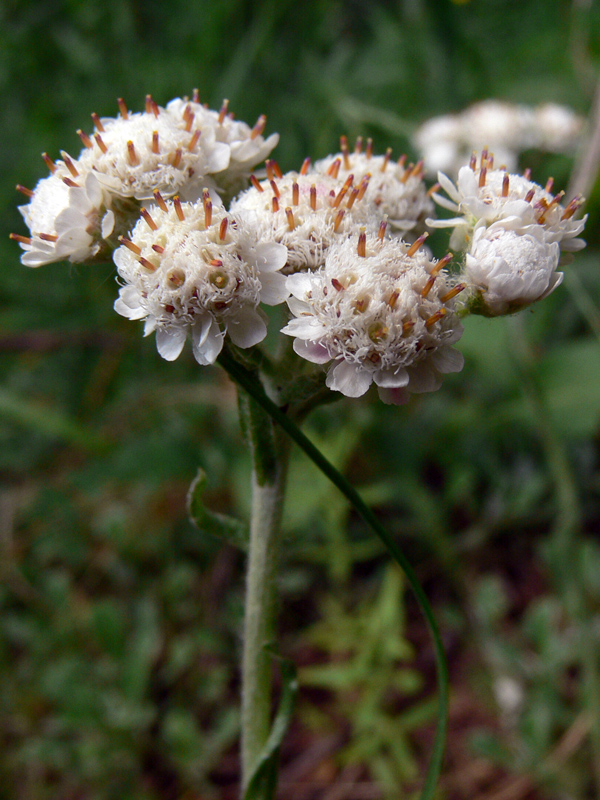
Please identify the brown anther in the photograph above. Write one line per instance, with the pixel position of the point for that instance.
(275, 188)
(345, 152)
(158, 249)
(97, 122)
(402, 161)
(342, 192)
(482, 176)
(382, 228)
(48, 237)
(160, 201)
(505, 185)
(259, 126)
(334, 168)
(554, 202)
(188, 117)
(352, 198)
(133, 158)
(155, 148)
(216, 262)
(270, 170)
(417, 169)
(169, 308)
(529, 196)
(338, 219)
(313, 197)
(295, 194)
(386, 159)
(337, 285)
(407, 327)
(177, 157)
(490, 162)
(473, 161)
(87, 142)
(130, 245)
(453, 292)
(176, 277)
(362, 244)
(363, 186)
(361, 304)
(274, 205)
(195, 96)
(417, 244)
(24, 190)
(223, 228)
(549, 185)
(70, 165)
(277, 170)
(428, 285)
(194, 140)
(148, 103)
(100, 142)
(393, 298)
(207, 204)
(484, 157)
(406, 174)
(433, 189)
(154, 108)
(442, 263)
(572, 207)
(305, 166)
(49, 163)
(123, 108)
(18, 238)
(290, 218)
(358, 145)
(147, 264)
(369, 150)
(150, 222)
(527, 174)
(70, 183)
(255, 182)
(223, 111)
(435, 317)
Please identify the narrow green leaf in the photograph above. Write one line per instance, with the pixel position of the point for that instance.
(231, 530)
(263, 781)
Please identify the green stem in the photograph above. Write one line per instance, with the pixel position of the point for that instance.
(254, 388)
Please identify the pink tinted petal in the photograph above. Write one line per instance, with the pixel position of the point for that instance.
(247, 328)
(311, 351)
(393, 397)
(448, 360)
(391, 379)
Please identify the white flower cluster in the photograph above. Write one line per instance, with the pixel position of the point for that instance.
(78, 212)
(513, 232)
(447, 142)
(193, 260)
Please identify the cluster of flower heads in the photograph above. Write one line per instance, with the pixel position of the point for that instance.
(79, 211)
(513, 232)
(446, 142)
(156, 188)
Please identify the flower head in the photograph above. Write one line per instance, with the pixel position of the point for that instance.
(191, 268)
(380, 311)
(68, 216)
(305, 212)
(395, 191)
(136, 154)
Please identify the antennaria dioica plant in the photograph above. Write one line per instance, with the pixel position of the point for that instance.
(203, 240)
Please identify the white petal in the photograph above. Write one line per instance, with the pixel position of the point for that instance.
(247, 327)
(393, 397)
(269, 256)
(207, 340)
(170, 341)
(218, 158)
(273, 288)
(349, 379)
(391, 379)
(108, 224)
(311, 351)
(446, 359)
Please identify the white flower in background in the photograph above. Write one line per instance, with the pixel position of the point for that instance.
(189, 268)
(137, 154)
(559, 128)
(505, 129)
(305, 212)
(68, 216)
(395, 191)
(247, 145)
(510, 270)
(483, 196)
(382, 312)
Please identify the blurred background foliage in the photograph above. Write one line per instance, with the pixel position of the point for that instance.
(119, 620)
